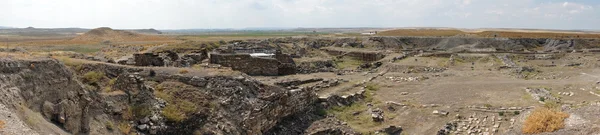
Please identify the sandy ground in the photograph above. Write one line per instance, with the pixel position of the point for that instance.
(461, 86)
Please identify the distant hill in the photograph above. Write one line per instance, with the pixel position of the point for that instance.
(147, 31)
(42, 32)
(108, 34)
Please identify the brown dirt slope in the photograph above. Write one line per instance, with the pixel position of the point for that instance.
(108, 34)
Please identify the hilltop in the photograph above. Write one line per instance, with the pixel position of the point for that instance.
(147, 31)
(108, 34)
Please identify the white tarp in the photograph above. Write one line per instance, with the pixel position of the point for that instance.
(261, 55)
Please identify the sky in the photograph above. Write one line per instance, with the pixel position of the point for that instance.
(213, 14)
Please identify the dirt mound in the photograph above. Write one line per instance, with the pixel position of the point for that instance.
(147, 31)
(108, 34)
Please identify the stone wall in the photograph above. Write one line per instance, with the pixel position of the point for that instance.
(167, 58)
(147, 59)
(360, 55)
(307, 67)
(255, 65)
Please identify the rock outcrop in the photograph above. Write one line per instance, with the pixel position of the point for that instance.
(222, 104)
(164, 59)
(47, 86)
(281, 64)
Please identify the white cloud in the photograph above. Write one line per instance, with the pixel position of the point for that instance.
(497, 12)
(170, 14)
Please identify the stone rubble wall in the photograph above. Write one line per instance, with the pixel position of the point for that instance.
(163, 59)
(360, 55)
(280, 65)
(315, 66)
(243, 105)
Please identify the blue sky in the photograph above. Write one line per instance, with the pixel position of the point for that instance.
(183, 14)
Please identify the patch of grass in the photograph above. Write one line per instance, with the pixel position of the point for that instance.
(459, 60)
(370, 88)
(107, 89)
(551, 104)
(197, 66)
(2, 124)
(92, 77)
(112, 82)
(178, 109)
(443, 62)
(141, 111)
(69, 62)
(124, 128)
(172, 113)
(528, 75)
(321, 112)
(160, 94)
(420, 32)
(346, 63)
(109, 125)
(128, 114)
(183, 71)
(80, 49)
(89, 87)
(487, 105)
(360, 121)
(526, 96)
(544, 120)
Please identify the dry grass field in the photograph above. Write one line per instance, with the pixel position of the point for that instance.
(488, 33)
(421, 32)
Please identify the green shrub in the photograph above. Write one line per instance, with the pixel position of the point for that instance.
(183, 71)
(321, 112)
(1, 124)
(544, 120)
(112, 82)
(109, 125)
(178, 109)
(551, 104)
(501, 113)
(171, 113)
(93, 77)
(141, 111)
(372, 87)
(107, 90)
(124, 128)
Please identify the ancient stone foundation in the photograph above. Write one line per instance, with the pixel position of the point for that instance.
(280, 65)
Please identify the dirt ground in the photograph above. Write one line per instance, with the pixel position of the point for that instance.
(473, 80)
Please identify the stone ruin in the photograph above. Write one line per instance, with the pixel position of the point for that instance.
(366, 56)
(166, 58)
(257, 61)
